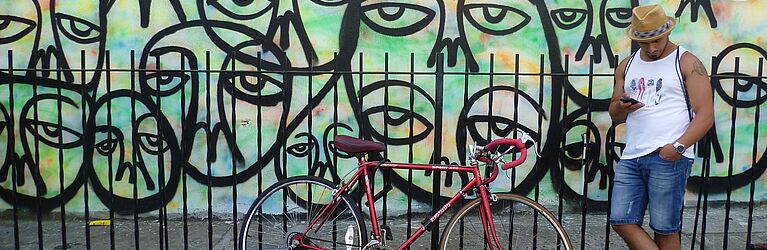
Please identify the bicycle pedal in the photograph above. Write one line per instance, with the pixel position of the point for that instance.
(386, 231)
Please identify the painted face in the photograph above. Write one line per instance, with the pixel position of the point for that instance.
(17, 32)
(64, 31)
(246, 88)
(591, 31)
(307, 31)
(466, 33)
(510, 110)
(589, 149)
(47, 146)
(133, 146)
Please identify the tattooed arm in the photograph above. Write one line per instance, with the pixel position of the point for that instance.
(699, 90)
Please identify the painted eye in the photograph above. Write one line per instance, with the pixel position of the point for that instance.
(77, 29)
(152, 144)
(304, 147)
(741, 88)
(477, 126)
(51, 133)
(242, 9)
(391, 123)
(169, 81)
(568, 18)
(253, 87)
(496, 19)
(13, 28)
(398, 122)
(619, 17)
(107, 146)
(396, 19)
(572, 154)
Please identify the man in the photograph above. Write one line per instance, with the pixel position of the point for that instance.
(663, 94)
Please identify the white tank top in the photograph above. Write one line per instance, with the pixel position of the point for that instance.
(665, 116)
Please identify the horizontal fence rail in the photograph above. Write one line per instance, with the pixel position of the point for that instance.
(152, 153)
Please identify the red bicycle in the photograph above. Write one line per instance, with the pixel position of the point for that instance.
(308, 212)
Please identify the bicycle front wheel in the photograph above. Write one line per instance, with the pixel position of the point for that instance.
(520, 223)
(279, 218)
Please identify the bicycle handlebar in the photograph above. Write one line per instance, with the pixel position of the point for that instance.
(516, 143)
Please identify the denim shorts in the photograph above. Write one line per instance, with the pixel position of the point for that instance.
(650, 180)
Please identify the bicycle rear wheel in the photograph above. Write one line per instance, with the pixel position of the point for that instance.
(285, 209)
(520, 223)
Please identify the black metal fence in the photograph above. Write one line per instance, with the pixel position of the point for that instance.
(82, 145)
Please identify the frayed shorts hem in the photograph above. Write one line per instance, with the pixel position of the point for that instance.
(625, 222)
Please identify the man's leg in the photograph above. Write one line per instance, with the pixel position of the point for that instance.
(635, 237)
(666, 187)
(628, 203)
(668, 241)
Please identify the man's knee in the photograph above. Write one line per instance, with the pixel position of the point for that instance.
(624, 228)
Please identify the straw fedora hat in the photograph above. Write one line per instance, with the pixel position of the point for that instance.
(648, 23)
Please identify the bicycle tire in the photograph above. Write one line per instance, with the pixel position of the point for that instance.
(464, 230)
(288, 202)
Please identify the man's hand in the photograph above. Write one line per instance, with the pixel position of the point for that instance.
(667, 152)
(629, 107)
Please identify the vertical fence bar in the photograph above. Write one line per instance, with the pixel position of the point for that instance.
(489, 133)
(585, 153)
(360, 112)
(62, 201)
(183, 149)
(134, 146)
(610, 165)
(309, 134)
(752, 187)
(85, 132)
(563, 133)
(515, 115)
(335, 133)
(465, 100)
(259, 142)
(15, 163)
(38, 186)
(209, 134)
(752, 177)
(385, 172)
(541, 74)
(490, 86)
(436, 197)
(234, 162)
(409, 188)
(162, 234)
(284, 157)
(110, 157)
(730, 166)
(359, 98)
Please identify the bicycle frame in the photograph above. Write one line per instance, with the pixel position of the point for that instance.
(363, 174)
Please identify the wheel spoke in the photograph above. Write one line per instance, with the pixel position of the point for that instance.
(514, 219)
(288, 207)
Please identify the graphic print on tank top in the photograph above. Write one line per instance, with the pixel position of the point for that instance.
(647, 91)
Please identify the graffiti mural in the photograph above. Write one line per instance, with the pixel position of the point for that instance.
(138, 106)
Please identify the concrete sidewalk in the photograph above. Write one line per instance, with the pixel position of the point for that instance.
(221, 237)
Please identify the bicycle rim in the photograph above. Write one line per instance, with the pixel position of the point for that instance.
(520, 223)
(286, 209)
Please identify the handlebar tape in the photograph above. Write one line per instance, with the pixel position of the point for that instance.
(509, 142)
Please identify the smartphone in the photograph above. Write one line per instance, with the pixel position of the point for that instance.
(629, 100)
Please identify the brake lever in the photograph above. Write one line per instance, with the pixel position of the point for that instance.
(525, 137)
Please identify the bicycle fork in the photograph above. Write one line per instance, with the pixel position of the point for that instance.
(487, 217)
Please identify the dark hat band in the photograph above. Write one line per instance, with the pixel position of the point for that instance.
(652, 33)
